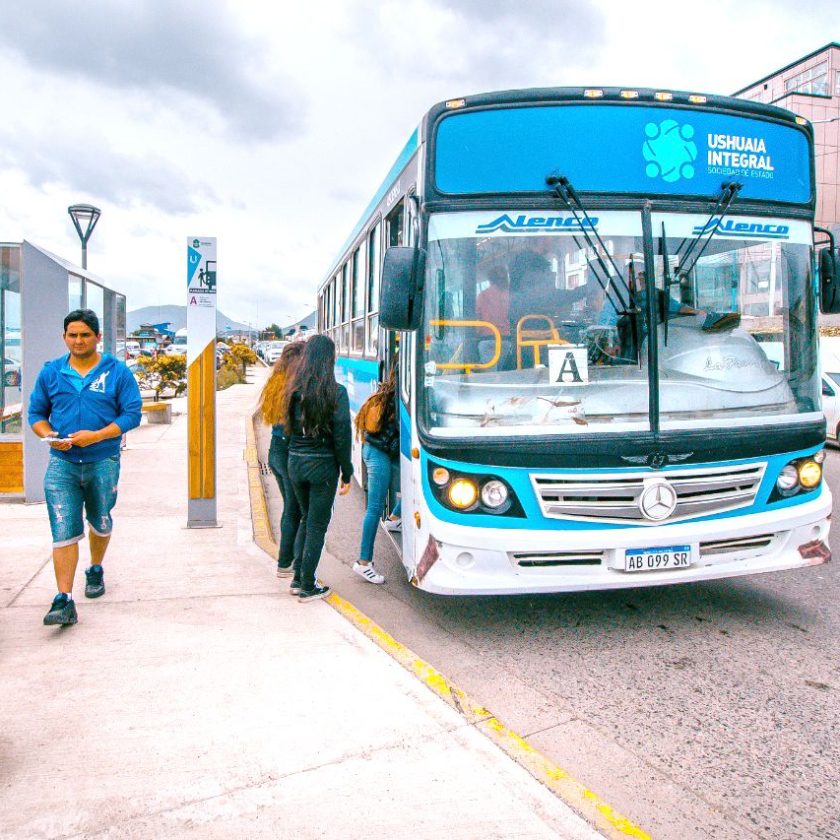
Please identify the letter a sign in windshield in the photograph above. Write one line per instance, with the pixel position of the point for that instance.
(567, 364)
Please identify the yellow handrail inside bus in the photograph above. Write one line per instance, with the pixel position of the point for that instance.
(469, 366)
(535, 338)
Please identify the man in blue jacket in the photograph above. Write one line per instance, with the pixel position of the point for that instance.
(82, 403)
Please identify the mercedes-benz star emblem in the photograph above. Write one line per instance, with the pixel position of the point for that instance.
(658, 501)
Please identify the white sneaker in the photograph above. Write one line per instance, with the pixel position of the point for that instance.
(368, 573)
(392, 524)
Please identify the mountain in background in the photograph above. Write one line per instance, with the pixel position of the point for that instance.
(177, 318)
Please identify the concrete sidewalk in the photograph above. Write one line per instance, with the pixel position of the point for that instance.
(198, 699)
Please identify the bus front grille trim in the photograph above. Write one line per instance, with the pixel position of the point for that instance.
(614, 497)
(761, 544)
(543, 559)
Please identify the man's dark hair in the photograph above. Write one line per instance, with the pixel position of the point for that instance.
(87, 316)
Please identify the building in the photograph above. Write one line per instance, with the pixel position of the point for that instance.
(810, 87)
(37, 290)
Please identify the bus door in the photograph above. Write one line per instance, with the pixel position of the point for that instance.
(409, 483)
(402, 227)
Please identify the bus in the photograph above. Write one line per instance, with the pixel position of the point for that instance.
(605, 303)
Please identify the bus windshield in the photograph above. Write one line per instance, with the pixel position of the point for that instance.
(534, 326)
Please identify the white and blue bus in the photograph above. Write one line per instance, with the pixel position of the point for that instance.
(567, 424)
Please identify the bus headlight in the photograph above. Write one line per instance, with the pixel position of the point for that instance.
(788, 480)
(472, 493)
(494, 493)
(810, 474)
(803, 474)
(440, 476)
(462, 493)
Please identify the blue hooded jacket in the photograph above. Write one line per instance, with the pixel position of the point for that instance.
(109, 394)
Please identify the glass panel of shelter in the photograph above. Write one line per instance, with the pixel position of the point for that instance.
(11, 349)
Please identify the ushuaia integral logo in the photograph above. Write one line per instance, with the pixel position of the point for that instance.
(669, 151)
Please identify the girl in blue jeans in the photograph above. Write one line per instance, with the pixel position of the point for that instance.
(378, 428)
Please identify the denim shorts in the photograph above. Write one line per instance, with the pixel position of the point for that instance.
(69, 487)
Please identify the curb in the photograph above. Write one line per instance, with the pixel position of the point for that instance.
(577, 796)
(261, 526)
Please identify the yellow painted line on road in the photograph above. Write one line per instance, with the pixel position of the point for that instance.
(586, 802)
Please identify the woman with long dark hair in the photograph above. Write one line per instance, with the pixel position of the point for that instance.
(317, 420)
(377, 426)
(271, 410)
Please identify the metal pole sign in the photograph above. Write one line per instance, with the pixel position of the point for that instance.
(201, 381)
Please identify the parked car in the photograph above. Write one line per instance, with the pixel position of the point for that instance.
(831, 406)
(273, 351)
(11, 373)
(132, 349)
(176, 350)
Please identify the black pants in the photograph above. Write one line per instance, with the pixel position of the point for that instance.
(291, 536)
(315, 481)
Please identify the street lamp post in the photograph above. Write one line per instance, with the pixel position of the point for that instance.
(85, 217)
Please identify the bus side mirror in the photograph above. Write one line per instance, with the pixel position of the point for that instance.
(829, 282)
(401, 296)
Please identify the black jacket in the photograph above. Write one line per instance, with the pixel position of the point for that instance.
(337, 442)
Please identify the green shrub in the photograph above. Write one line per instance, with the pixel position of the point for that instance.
(227, 376)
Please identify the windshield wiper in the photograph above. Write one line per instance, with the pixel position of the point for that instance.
(564, 190)
(727, 196)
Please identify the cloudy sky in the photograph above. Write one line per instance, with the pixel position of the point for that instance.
(270, 126)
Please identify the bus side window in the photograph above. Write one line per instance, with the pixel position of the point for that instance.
(413, 220)
(395, 225)
(373, 266)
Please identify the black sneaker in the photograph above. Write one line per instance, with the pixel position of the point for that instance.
(314, 594)
(284, 570)
(294, 587)
(95, 585)
(62, 611)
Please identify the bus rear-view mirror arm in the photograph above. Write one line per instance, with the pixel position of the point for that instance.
(401, 296)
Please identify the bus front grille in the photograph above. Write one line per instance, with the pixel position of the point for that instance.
(759, 544)
(614, 497)
(544, 559)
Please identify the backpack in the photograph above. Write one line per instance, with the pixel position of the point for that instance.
(373, 413)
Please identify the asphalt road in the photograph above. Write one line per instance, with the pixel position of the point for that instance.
(700, 711)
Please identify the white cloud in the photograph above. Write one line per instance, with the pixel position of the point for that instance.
(192, 47)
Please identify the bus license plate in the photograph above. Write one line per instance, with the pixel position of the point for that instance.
(651, 559)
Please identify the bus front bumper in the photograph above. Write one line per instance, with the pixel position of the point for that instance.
(473, 561)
